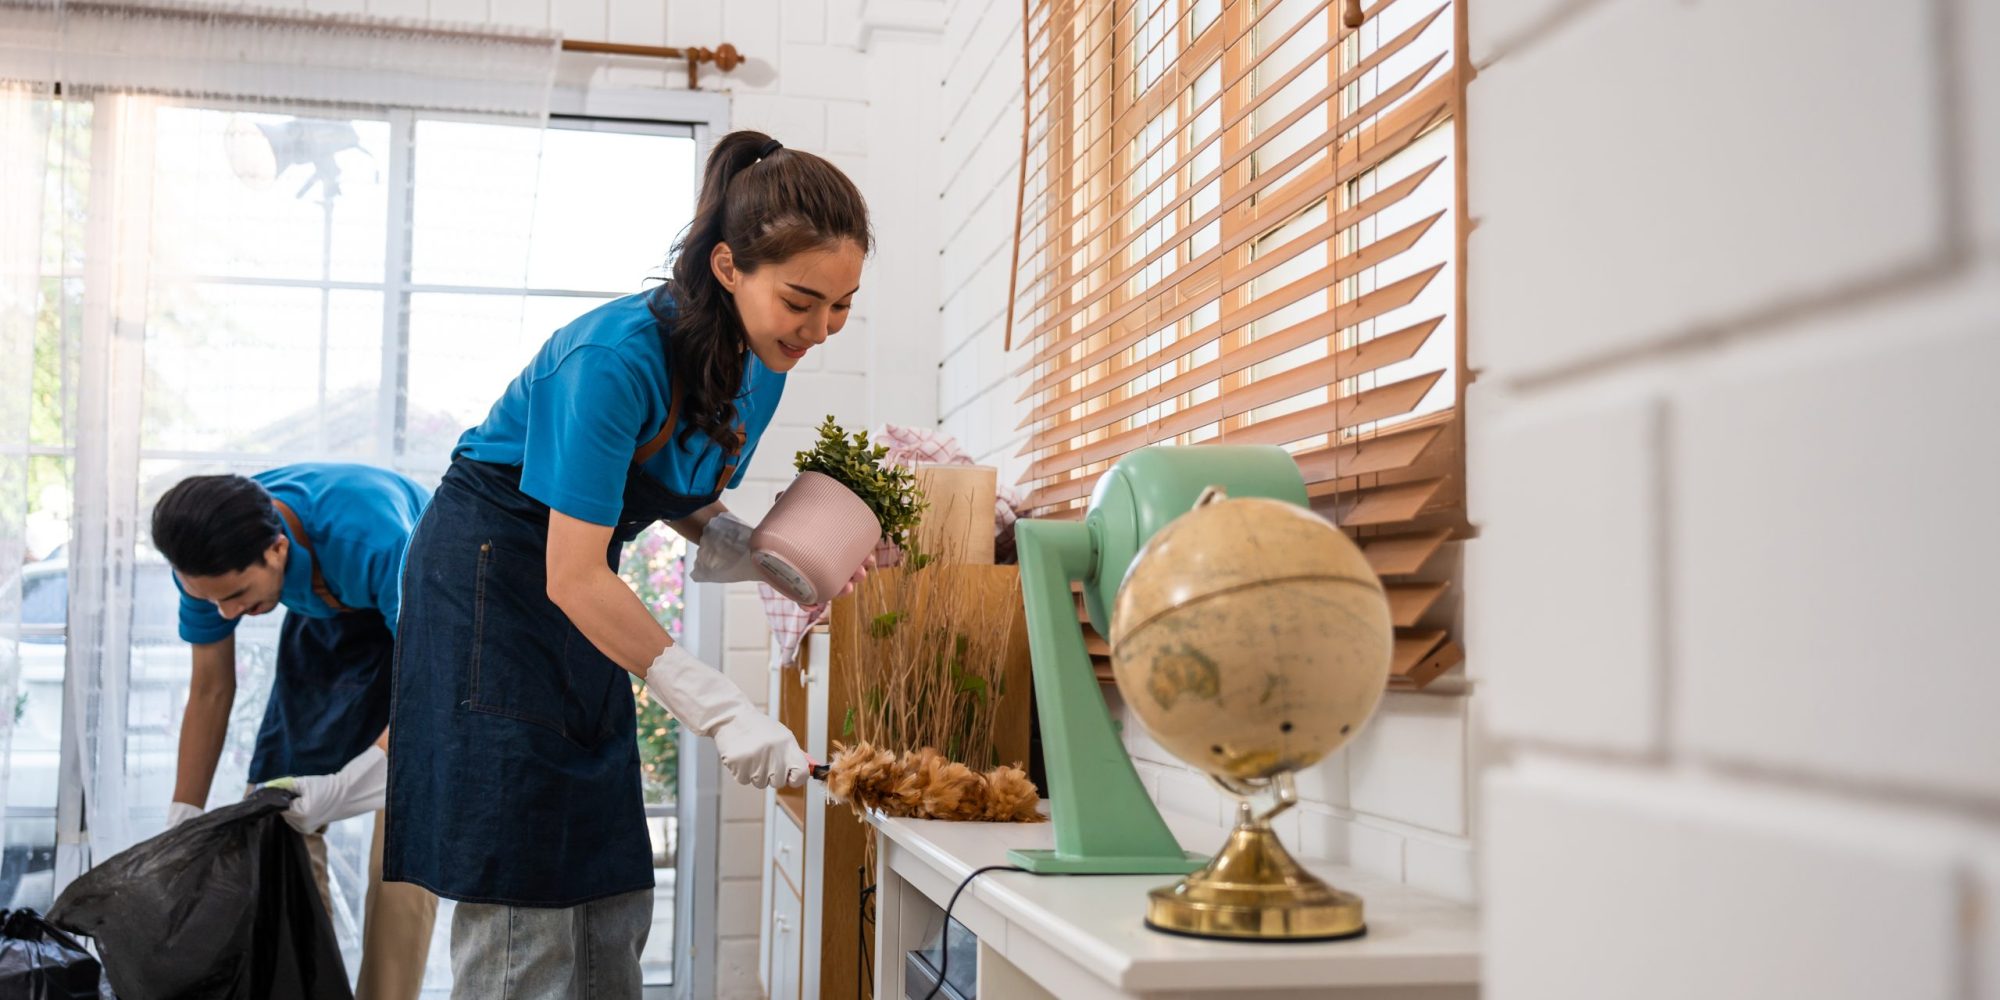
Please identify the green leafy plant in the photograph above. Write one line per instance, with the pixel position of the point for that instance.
(889, 490)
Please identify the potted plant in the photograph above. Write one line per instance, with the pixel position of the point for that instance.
(825, 524)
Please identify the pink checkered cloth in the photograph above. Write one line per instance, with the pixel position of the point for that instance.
(907, 446)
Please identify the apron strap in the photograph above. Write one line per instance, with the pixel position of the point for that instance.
(320, 588)
(650, 448)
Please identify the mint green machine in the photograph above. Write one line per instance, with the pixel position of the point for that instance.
(1105, 824)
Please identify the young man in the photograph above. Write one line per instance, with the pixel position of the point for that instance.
(324, 541)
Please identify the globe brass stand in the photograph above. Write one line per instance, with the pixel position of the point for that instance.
(1253, 889)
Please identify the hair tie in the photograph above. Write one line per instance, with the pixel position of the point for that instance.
(769, 148)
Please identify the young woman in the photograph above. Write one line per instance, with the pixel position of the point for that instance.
(514, 768)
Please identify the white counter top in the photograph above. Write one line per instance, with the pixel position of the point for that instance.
(1096, 922)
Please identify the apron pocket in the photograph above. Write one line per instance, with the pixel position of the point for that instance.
(528, 662)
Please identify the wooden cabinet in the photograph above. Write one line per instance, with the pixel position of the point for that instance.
(810, 919)
(785, 934)
(816, 854)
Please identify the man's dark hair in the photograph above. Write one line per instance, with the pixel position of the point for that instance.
(211, 525)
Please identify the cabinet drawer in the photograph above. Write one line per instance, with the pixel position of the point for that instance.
(788, 844)
(786, 940)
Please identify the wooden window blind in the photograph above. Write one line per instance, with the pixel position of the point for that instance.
(1240, 222)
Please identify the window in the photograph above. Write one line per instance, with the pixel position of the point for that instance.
(1240, 224)
(338, 285)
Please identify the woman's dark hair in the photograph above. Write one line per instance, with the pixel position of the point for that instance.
(211, 525)
(768, 203)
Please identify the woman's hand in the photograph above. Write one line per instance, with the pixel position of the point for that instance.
(859, 575)
(755, 748)
(722, 552)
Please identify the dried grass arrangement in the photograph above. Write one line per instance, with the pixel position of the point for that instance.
(924, 696)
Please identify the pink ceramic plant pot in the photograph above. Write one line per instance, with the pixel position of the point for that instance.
(814, 538)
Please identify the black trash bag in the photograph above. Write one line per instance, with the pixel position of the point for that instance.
(38, 962)
(221, 907)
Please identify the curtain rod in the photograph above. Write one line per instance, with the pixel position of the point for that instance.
(724, 56)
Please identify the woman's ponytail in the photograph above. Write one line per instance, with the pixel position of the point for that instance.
(768, 203)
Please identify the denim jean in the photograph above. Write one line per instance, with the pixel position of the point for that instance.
(586, 952)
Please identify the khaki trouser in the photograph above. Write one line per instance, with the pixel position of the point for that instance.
(395, 926)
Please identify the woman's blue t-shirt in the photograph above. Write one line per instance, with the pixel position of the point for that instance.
(595, 393)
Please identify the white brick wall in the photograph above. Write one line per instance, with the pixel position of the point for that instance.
(979, 159)
(1405, 778)
(1733, 651)
(1773, 221)
(1606, 883)
(1573, 605)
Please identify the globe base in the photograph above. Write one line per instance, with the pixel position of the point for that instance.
(1254, 890)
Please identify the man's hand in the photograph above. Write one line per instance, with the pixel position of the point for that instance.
(360, 787)
(180, 812)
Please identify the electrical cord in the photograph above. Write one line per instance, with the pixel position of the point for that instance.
(944, 936)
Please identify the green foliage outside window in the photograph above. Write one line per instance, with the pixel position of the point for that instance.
(652, 566)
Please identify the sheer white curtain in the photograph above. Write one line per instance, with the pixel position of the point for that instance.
(205, 258)
(27, 811)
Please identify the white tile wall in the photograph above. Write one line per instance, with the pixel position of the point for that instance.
(1408, 763)
(519, 13)
(1189, 794)
(586, 19)
(827, 72)
(847, 127)
(694, 22)
(1325, 783)
(805, 21)
(1499, 24)
(467, 11)
(1375, 849)
(1588, 187)
(809, 401)
(736, 909)
(1809, 332)
(1565, 576)
(1640, 886)
(1323, 833)
(742, 864)
(396, 8)
(736, 968)
(1844, 633)
(753, 27)
(1445, 867)
(791, 120)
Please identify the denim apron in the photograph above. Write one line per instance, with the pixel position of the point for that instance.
(330, 691)
(514, 759)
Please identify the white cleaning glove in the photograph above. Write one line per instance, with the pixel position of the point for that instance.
(723, 555)
(359, 787)
(180, 812)
(755, 748)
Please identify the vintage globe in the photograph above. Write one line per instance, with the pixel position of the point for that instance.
(1251, 638)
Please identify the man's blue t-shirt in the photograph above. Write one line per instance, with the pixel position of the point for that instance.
(596, 392)
(358, 518)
